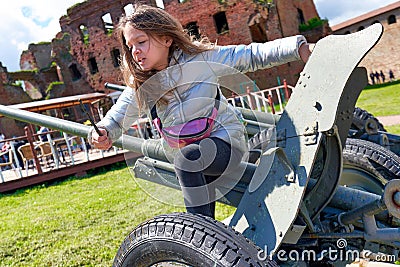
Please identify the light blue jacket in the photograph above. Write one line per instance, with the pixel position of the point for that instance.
(194, 83)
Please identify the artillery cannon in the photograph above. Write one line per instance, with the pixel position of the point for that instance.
(290, 207)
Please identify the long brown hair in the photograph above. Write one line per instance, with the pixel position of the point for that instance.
(156, 23)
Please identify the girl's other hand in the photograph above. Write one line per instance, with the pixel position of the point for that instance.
(305, 51)
(101, 141)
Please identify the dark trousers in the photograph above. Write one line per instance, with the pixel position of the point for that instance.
(199, 164)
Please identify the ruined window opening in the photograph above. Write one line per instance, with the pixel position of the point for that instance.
(257, 29)
(128, 9)
(347, 32)
(300, 16)
(376, 21)
(221, 22)
(258, 34)
(107, 23)
(360, 28)
(115, 54)
(93, 65)
(392, 19)
(84, 34)
(193, 29)
(76, 74)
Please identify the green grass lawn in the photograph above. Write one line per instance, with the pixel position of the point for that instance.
(77, 222)
(381, 100)
(394, 129)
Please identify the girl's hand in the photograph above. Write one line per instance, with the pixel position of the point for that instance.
(305, 51)
(101, 141)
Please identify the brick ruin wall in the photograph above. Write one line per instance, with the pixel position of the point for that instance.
(93, 57)
(37, 59)
(85, 64)
(278, 21)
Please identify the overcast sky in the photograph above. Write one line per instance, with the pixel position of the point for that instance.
(26, 21)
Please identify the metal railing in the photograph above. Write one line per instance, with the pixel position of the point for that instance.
(66, 150)
(271, 100)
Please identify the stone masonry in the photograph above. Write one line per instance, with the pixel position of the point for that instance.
(85, 54)
(245, 22)
(276, 20)
(385, 55)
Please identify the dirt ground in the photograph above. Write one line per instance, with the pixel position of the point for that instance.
(389, 120)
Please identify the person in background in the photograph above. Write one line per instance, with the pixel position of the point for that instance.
(377, 77)
(382, 76)
(391, 75)
(2, 137)
(372, 76)
(5, 148)
(152, 40)
(42, 131)
(3, 158)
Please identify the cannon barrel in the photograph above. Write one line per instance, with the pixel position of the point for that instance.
(150, 148)
(115, 86)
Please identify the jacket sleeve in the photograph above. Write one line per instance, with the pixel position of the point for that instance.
(121, 115)
(249, 58)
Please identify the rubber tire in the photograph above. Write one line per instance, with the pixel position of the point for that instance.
(188, 239)
(359, 118)
(378, 164)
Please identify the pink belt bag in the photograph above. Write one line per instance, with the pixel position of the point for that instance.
(180, 135)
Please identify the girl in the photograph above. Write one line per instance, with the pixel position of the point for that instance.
(152, 42)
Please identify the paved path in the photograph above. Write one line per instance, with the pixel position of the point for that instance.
(389, 120)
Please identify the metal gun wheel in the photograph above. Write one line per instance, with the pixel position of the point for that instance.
(183, 239)
(368, 166)
(361, 116)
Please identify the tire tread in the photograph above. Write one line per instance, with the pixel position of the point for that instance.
(198, 232)
(381, 159)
